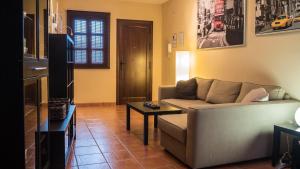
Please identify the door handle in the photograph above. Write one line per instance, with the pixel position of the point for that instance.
(122, 71)
(39, 68)
(122, 64)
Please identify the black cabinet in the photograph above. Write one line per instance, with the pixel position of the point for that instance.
(24, 71)
(35, 113)
(61, 67)
(62, 135)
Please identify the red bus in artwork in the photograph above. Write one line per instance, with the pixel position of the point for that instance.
(218, 20)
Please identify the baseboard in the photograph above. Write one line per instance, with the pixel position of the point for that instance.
(95, 104)
(88, 104)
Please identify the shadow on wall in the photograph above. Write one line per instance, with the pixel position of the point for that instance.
(261, 77)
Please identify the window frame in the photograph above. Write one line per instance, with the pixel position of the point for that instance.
(89, 16)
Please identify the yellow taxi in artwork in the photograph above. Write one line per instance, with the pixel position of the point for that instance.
(297, 19)
(282, 21)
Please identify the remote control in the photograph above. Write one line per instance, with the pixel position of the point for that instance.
(151, 105)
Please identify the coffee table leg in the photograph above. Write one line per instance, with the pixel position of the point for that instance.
(146, 129)
(155, 120)
(128, 117)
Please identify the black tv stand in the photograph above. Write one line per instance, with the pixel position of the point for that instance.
(62, 135)
(61, 85)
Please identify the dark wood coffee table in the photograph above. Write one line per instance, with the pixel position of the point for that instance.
(145, 111)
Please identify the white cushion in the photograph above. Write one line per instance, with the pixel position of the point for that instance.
(256, 95)
(275, 92)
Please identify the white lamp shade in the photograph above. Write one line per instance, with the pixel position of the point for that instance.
(297, 116)
(182, 65)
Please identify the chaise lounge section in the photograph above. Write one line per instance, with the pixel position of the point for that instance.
(214, 130)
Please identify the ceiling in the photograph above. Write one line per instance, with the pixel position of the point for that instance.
(148, 1)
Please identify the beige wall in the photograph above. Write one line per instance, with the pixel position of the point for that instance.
(99, 85)
(272, 59)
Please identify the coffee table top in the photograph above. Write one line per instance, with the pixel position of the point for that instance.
(164, 108)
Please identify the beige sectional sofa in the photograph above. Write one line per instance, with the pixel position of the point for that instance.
(217, 129)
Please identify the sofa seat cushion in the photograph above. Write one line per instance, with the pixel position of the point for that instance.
(184, 104)
(223, 92)
(275, 92)
(174, 125)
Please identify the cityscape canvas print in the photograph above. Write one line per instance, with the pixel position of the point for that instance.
(277, 16)
(221, 23)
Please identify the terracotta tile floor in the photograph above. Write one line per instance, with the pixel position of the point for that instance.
(103, 143)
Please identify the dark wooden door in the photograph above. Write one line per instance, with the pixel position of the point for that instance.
(134, 61)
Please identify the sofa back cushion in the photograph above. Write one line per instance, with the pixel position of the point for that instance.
(203, 87)
(223, 92)
(186, 89)
(275, 92)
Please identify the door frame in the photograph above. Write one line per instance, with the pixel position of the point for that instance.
(149, 57)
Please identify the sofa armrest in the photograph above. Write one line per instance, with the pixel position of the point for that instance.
(226, 133)
(166, 92)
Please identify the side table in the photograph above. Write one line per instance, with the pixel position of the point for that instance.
(288, 128)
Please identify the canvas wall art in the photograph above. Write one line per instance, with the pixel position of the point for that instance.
(221, 23)
(274, 16)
